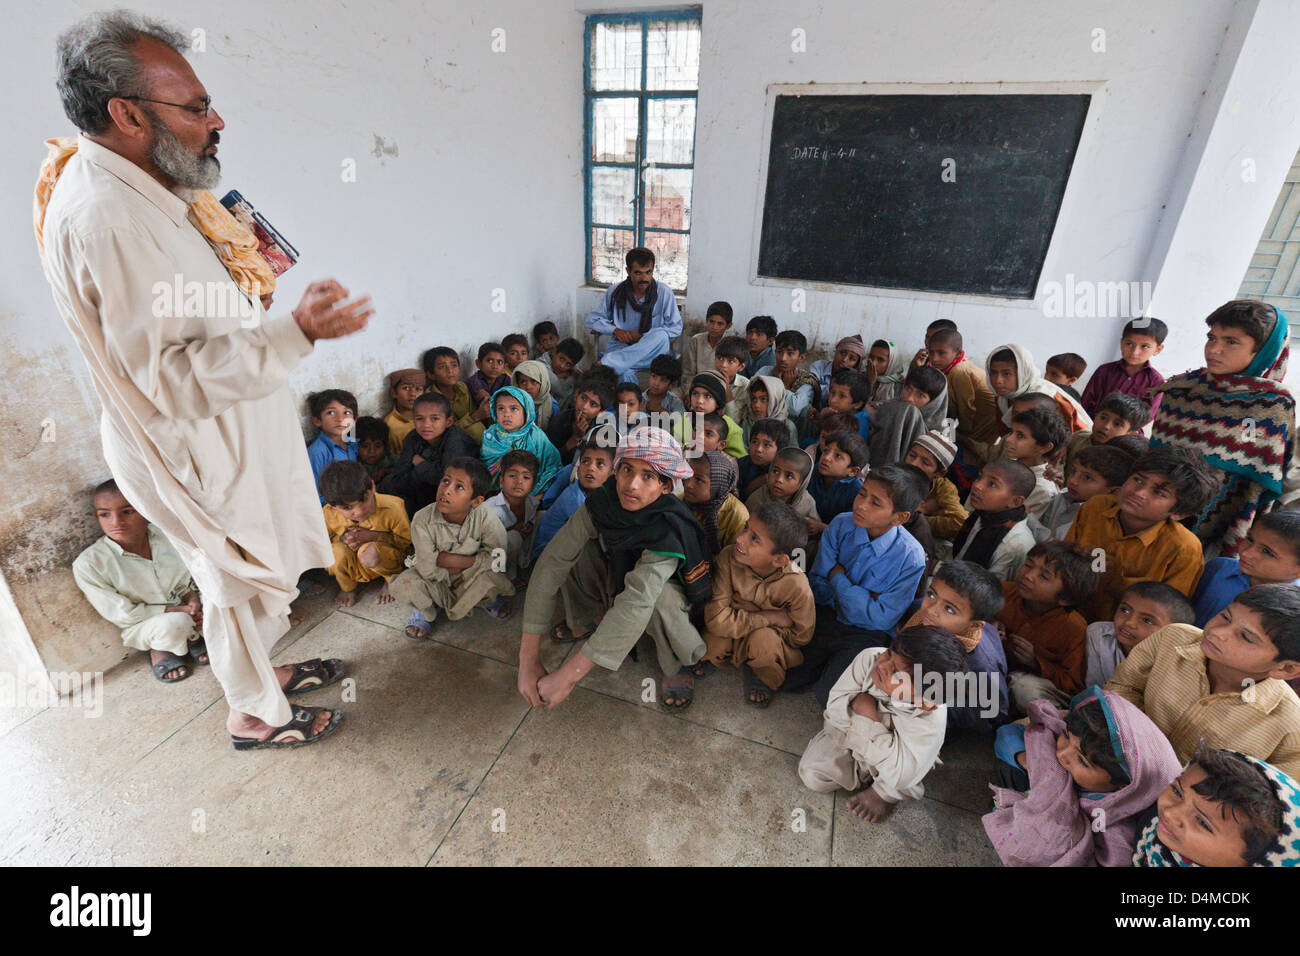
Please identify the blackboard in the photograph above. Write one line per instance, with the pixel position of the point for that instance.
(856, 189)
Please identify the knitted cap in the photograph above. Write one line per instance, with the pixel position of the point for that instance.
(940, 446)
(715, 383)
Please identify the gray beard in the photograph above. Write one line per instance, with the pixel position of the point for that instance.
(182, 166)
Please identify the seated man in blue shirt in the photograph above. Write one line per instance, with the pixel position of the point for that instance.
(641, 315)
(865, 576)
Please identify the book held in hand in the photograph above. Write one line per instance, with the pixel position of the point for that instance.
(275, 249)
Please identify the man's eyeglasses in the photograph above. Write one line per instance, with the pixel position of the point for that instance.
(197, 110)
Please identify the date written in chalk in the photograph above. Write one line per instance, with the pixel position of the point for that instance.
(1154, 899)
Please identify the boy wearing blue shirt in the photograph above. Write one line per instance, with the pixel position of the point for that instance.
(1269, 554)
(865, 576)
(333, 411)
(593, 462)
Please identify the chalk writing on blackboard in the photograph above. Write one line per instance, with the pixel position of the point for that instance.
(822, 152)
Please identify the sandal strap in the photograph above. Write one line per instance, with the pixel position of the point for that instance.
(310, 673)
(298, 728)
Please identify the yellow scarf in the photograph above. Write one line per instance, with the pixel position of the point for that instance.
(234, 244)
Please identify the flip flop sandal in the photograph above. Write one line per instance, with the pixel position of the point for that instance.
(171, 662)
(422, 630)
(766, 694)
(684, 694)
(702, 668)
(314, 674)
(198, 648)
(293, 734)
(561, 634)
(499, 609)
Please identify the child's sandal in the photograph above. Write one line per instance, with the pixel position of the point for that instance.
(499, 609)
(418, 628)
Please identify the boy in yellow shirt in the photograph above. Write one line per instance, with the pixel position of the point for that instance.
(370, 532)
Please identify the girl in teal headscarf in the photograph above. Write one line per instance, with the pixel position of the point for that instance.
(514, 425)
(1241, 421)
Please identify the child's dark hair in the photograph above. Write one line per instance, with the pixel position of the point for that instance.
(1070, 364)
(343, 483)
(1018, 477)
(480, 479)
(514, 338)
(1167, 596)
(1046, 428)
(1088, 723)
(433, 398)
(1073, 565)
(108, 487)
(773, 428)
(1251, 316)
(799, 460)
(598, 387)
(1111, 463)
(903, 489)
(1035, 400)
(1278, 607)
(593, 445)
(719, 424)
(829, 420)
(949, 337)
(732, 347)
(940, 325)
(1146, 325)
(1004, 357)
(571, 349)
(603, 373)
(317, 401)
(933, 649)
(1194, 481)
(1285, 523)
(978, 585)
(763, 324)
(853, 445)
(720, 308)
(792, 339)
(487, 348)
(857, 381)
(545, 327)
(784, 526)
(927, 379)
(432, 355)
(519, 457)
(633, 387)
(1128, 407)
(1133, 444)
(669, 366)
(368, 427)
(1248, 795)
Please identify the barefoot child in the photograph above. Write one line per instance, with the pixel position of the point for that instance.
(880, 729)
(1085, 778)
(457, 543)
(370, 533)
(762, 610)
(135, 579)
(631, 561)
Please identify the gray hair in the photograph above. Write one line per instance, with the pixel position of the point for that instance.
(95, 63)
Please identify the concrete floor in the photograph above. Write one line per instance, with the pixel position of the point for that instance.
(440, 761)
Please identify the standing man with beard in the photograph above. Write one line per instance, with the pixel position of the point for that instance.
(198, 427)
(641, 313)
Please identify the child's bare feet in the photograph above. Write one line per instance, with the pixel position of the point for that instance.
(868, 805)
(384, 596)
(345, 598)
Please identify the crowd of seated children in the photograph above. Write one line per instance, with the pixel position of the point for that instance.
(1044, 634)
(1132, 374)
(1225, 809)
(762, 610)
(369, 532)
(1064, 371)
(137, 582)
(1076, 784)
(432, 442)
(710, 493)
(767, 436)
(865, 575)
(456, 542)
(1268, 554)
(1144, 608)
(760, 336)
(996, 535)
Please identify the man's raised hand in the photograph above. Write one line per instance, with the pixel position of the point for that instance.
(323, 313)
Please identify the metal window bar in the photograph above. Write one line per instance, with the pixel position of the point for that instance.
(643, 96)
(1274, 271)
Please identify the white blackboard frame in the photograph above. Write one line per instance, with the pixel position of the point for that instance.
(1079, 171)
